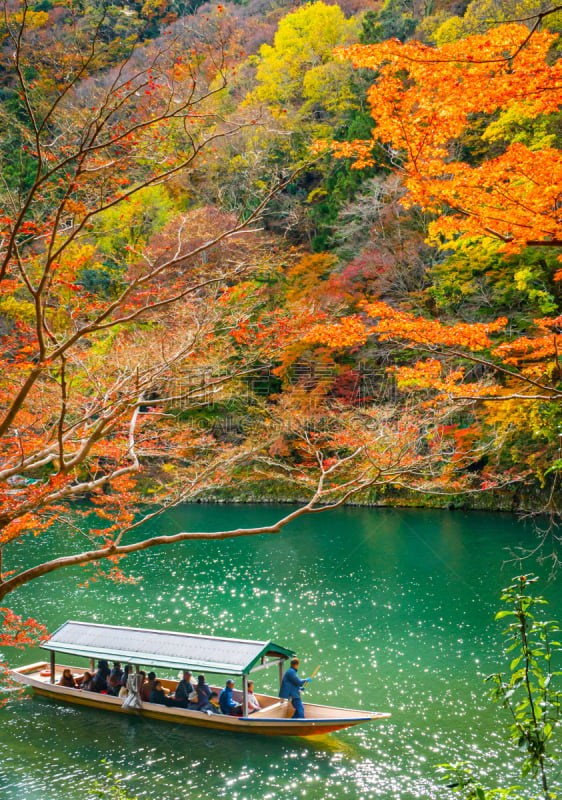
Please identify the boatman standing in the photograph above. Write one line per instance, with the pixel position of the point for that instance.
(291, 688)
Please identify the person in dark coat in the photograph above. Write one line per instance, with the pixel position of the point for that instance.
(212, 706)
(183, 690)
(227, 703)
(291, 687)
(203, 693)
(114, 684)
(99, 682)
(157, 695)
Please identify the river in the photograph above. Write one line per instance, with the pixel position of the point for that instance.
(397, 606)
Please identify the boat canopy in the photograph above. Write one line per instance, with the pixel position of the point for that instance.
(163, 648)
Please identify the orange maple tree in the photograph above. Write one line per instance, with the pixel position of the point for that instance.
(422, 101)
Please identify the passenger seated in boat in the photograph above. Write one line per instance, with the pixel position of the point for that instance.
(125, 677)
(212, 705)
(84, 682)
(99, 683)
(66, 679)
(147, 687)
(116, 672)
(253, 702)
(183, 690)
(226, 702)
(157, 695)
(113, 685)
(203, 691)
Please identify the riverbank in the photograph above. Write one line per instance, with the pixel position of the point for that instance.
(516, 499)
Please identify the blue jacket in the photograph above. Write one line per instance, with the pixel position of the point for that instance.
(225, 700)
(291, 685)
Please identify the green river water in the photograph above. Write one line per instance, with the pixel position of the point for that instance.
(397, 607)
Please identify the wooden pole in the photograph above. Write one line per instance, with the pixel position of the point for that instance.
(52, 666)
(244, 695)
(92, 665)
(280, 674)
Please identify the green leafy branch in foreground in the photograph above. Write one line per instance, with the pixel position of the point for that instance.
(528, 692)
(110, 787)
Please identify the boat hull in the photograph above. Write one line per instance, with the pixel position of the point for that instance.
(273, 720)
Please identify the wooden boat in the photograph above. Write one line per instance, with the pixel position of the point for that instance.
(232, 657)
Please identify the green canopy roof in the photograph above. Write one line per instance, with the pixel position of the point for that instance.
(162, 648)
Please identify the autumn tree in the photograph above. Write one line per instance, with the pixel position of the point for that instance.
(424, 98)
(470, 129)
(299, 67)
(423, 101)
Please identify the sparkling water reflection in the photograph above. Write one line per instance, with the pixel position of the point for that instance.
(397, 606)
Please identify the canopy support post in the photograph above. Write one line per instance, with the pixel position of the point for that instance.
(280, 674)
(244, 695)
(52, 666)
(92, 664)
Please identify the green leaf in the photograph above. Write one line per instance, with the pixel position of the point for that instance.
(526, 769)
(514, 663)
